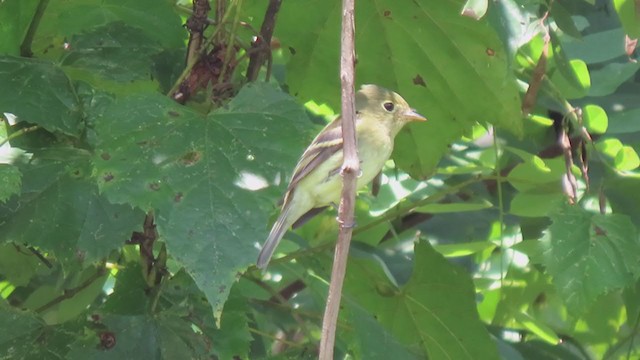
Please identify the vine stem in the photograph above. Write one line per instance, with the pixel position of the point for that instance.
(19, 133)
(349, 172)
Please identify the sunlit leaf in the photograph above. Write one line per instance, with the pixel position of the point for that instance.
(579, 247)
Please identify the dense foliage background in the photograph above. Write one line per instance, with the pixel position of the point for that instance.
(134, 194)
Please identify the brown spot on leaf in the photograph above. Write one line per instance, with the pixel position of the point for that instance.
(142, 143)
(173, 113)
(107, 339)
(154, 186)
(178, 197)
(105, 156)
(418, 80)
(386, 13)
(598, 230)
(191, 158)
(108, 177)
(490, 52)
(221, 289)
(292, 50)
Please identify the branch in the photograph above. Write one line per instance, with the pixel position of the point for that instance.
(25, 47)
(69, 293)
(263, 43)
(196, 24)
(350, 170)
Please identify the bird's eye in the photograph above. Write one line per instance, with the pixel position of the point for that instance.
(388, 106)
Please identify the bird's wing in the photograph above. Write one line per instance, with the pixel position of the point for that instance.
(327, 143)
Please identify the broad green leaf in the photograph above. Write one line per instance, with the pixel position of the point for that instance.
(535, 160)
(609, 146)
(463, 249)
(628, 12)
(10, 181)
(577, 83)
(38, 92)
(595, 119)
(627, 159)
(17, 264)
(17, 331)
(623, 194)
(132, 337)
(116, 51)
(64, 19)
(597, 47)
(372, 340)
(15, 17)
(200, 174)
(533, 174)
(563, 19)
(453, 207)
(537, 327)
(436, 58)
(579, 248)
(606, 80)
(69, 308)
(534, 204)
(434, 314)
(624, 121)
(60, 210)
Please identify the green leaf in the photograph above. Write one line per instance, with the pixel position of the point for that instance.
(579, 248)
(609, 146)
(17, 264)
(23, 80)
(10, 181)
(200, 174)
(125, 337)
(628, 12)
(563, 19)
(626, 159)
(15, 17)
(63, 19)
(115, 51)
(60, 210)
(372, 340)
(576, 83)
(17, 330)
(606, 80)
(597, 47)
(595, 119)
(453, 207)
(537, 327)
(463, 249)
(537, 174)
(535, 204)
(435, 58)
(434, 314)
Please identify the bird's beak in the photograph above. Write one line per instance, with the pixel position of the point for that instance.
(412, 115)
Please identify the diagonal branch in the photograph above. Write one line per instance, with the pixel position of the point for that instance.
(263, 43)
(350, 170)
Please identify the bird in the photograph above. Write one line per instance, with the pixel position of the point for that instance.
(316, 181)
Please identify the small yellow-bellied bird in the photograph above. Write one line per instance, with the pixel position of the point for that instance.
(316, 181)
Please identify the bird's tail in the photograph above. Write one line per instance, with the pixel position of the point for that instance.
(277, 232)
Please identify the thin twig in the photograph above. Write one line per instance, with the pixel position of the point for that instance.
(350, 170)
(69, 293)
(19, 133)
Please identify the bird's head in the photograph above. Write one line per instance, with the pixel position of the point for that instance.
(379, 104)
